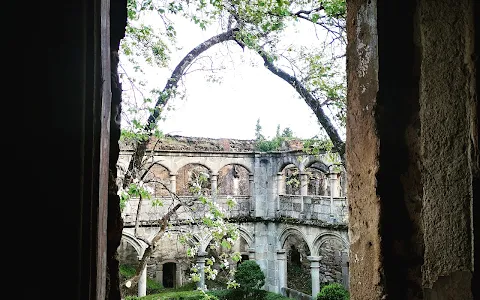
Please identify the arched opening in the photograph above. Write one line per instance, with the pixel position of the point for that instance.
(298, 266)
(128, 262)
(233, 180)
(158, 178)
(291, 177)
(318, 183)
(190, 174)
(331, 265)
(169, 275)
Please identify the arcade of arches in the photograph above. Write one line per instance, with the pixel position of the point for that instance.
(412, 149)
(300, 255)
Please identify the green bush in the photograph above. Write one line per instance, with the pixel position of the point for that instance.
(333, 291)
(249, 276)
(275, 296)
(153, 287)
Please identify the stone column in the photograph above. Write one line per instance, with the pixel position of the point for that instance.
(333, 188)
(345, 278)
(280, 183)
(280, 188)
(315, 271)
(214, 186)
(335, 184)
(178, 275)
(142, 283)
(282, 269)
(303, 184)
(251, 187)
(201, 268)
(159, 273)
(173, 182)
(303, 187)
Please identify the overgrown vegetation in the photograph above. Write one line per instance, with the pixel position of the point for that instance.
(299, 278)
(276, 143)
(333, 291)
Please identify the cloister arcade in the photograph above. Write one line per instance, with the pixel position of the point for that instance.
(291, 214)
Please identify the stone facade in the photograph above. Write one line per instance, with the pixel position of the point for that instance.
(278, 229)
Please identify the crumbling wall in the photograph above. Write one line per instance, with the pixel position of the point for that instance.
(412, 148)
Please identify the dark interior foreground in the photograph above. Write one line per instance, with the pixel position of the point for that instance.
(412, 151)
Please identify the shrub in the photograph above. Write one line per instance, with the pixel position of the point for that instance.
(153, 287)
(249, 275)
(333, 291)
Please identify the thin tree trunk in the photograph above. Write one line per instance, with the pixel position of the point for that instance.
(166, 94)
(151, 247)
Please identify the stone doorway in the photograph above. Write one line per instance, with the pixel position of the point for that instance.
(169, 278)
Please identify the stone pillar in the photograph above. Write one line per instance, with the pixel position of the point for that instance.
(280, 183)
(303, 188)
(345, 278)
(315, 271)
(178, 275)
(214, 186)
(333, 188)
(335, 184)
(159, 273)
(142, 283)
(251, 253)
(173, 182)
(280, 188)
(303, 184)
(282, 269)
(251, 187)
(236, 187)
(201, 268)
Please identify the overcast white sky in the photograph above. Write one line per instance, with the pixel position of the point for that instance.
(231, 108)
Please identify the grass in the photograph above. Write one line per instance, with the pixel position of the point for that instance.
(155, 291)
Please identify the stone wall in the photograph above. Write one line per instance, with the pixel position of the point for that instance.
(412, 148)
(269, 219)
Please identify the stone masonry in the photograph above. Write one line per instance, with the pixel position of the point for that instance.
(280, 226)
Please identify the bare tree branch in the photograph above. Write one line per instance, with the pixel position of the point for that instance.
(169, 91)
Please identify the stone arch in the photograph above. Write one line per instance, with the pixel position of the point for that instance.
(241, 164)
(158, 163)
(183, 176)
(317, 164)
(293, 231)
(247, 236)
(287, 160)
(297, 250)
(233, 179)
(323, 237)
(170, 276)
(195, 238)
(158, 172)
(317, 180)
(137, 244)
(331, 247)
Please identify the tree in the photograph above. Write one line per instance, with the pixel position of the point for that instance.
(258, 25)
(254, 25)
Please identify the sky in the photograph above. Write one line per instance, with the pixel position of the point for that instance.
(230, 108)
